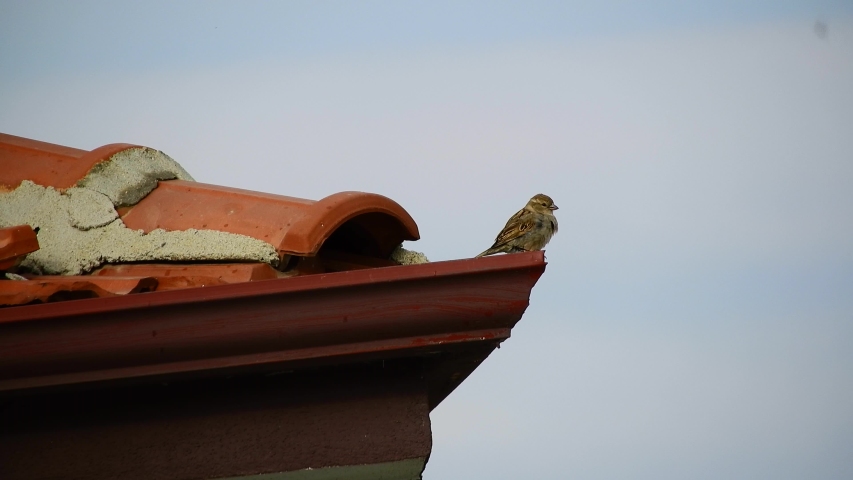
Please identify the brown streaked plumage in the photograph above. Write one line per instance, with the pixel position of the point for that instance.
(529, 229)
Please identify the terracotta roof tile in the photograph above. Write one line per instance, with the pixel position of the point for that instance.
(343, 231)
(225, 272)
(48, 164)
(52, 288)
(177, 276)
(294, 226)
(15, 243)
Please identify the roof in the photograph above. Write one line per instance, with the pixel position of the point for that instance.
(333, 295)
(151, 211)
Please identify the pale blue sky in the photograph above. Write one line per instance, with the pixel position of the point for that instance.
(696, 317)
(56, 37)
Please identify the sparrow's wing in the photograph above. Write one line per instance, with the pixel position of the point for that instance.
(516, 226)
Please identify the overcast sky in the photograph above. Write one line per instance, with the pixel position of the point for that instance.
(696, 317)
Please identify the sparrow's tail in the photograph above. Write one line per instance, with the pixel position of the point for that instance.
(490, 251)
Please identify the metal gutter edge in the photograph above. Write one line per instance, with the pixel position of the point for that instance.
(334, 317)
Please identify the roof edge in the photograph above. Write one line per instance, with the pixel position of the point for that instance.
(308, 234)
(270, 323)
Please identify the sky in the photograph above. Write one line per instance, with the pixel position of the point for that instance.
(696, 316)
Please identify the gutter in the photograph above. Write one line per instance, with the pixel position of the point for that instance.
(268, 325)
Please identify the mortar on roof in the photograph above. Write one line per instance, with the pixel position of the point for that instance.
(88, 209)
(129, 175)
(80, 229)
(408, 257)
(74, 238)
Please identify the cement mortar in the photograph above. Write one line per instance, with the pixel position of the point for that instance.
(88, 209)
(408, 257)
(128, 176)
(77, 233)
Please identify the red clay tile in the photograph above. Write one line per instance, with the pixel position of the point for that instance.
(46, 163)
(115, 285)
(354, 222)
(153, 277)
(222, 272)
(363, 227)
(15, 243)
(185, 281)
(45, 289)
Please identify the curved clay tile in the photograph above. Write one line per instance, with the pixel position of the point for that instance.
(226, 272)
(15, 243)
(357, 223)
(48, 164)
(59, 288)
(353, 222)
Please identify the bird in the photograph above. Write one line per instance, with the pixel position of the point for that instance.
(530, 229)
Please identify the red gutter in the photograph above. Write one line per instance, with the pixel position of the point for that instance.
(393, 311)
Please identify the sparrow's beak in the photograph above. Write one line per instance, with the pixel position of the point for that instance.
(553, 207)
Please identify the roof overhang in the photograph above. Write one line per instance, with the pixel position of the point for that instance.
(461, 308)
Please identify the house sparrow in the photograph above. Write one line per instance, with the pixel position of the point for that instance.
(529, 229)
